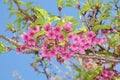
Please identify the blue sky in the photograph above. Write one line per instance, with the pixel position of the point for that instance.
(10, 62)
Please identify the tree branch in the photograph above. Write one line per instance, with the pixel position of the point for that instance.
(95, 56)
(14, 42)
(99, 57)
(19, 8)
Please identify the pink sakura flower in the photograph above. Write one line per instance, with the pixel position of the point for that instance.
(51, 34)
(24, 36)
(94, 41)
(105, 73)
(70, 36)
(47, 27)
(71, 53)
(76, 39)
(104, 32)
(68, 26)
(60, 38)
(53, 52)
(45, 45)
(111, 74)
(101, 78)
(46, 53)
(21, 48)
(65, 55)
(31, 42)
(81, 35)
(74, 46)
(31, 34)
(82, 41)
(81, 51)
(91, 34)
(58, 30)
(87, 45)
(36, 28)
(18, 50)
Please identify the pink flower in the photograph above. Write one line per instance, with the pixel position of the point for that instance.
(74, 46)
(31, 34)
(76, 39)
(105, 73)
(65, 55)
(91, 34)
(94, 41)
(46, 54)
(110, 74)
(18, 51)
(87, 46)
(53, 52)
(58, 30)
(60, 38)
(101, 78)
(104, 32)
(36, 28)
(21, 48)
(51, 35)
(31, 42)
(45, 45)
(70, 36)
(47, 27)
(24, 36)
(81, 35)
(81, 51)
(82, 41)
(68, 26)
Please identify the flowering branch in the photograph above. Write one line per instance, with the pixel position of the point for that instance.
(99, 57)
(95, 56)
(16, 43)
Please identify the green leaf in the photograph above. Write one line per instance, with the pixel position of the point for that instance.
(41, 13)
(69, 5)
(54, 18)
(60, 2)
(6, 1)
(11, 8)
(28, 5)
(83, 28)
(39, 21)
(40, 33)
(12, 13)
(62, 43)
(101, 27)
(2, 47)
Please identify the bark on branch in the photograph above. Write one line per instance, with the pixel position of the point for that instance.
(99, 57)
(14, 42)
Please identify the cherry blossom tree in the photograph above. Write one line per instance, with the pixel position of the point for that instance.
(88, 46)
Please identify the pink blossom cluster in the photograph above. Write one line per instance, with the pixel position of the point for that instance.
(28, 38)
(55, 34)
(83, 41)
(75, 43)
(71, 43)
(106, 75)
